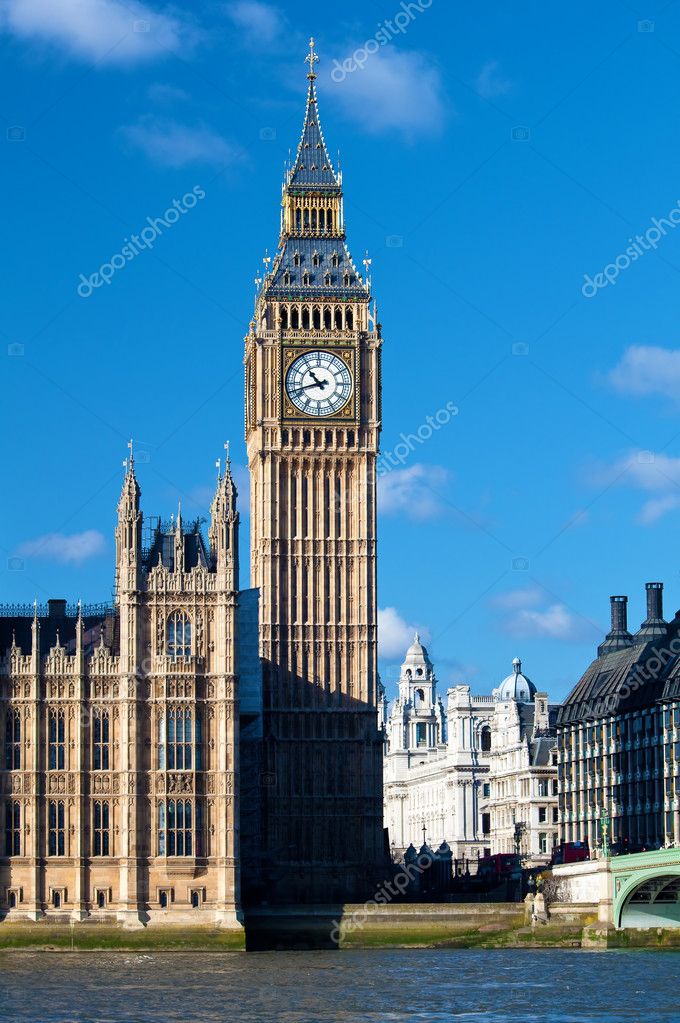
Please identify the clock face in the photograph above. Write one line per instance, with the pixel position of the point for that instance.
(318, 383)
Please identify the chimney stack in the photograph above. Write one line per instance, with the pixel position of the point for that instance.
(618, 637)
(619, 606)
(654, 624)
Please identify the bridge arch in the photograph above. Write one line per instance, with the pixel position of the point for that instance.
(650, 898)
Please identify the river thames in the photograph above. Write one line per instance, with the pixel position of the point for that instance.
(423, 985)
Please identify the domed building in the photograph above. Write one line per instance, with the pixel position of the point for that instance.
(479, 774)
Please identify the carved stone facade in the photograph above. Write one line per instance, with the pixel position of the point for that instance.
(312, 362)
(470, 773)
(121, 736)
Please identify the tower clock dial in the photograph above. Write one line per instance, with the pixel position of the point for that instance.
(318, 383)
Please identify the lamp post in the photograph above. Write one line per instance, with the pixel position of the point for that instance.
(604, 831)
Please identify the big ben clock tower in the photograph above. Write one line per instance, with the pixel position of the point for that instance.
(312, 362)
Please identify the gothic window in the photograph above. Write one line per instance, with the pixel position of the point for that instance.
(327, 279)
(101, 742)
(322, 218)
(176, 828)
(298, 219)
(56, 831)
(179, 740)
(286, 278)
(316, 318)
(297, 259)
(56, 741)
(306, 278)
(305, 314)
(13, 740)
(346, 280)
(179, 635)
(314, 210)
(101, 830)
(306, 220)
(485, 739)
(349, 319)
(327, 321)
(12, 828)
(295, 318)
(284, 318)
(338, 319)
(335, 259)
(316, 258)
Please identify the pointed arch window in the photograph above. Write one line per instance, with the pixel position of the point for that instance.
(327, 279)
(56, 834)
(346, 279)
(101, 831)
(297, 259)
(179, 827)
(101, 741)
(13, 740)
(179, 740)
(335, 259)
(12, 828)
(316, 258)
(286, 278)
(179, 635)
(306, 277)
(56, 741)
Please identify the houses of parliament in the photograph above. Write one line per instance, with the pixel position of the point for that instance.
(195, 746)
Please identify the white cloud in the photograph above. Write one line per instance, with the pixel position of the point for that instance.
(260, 23)
(392, 91)
(172, 144)
(555, 621)
(527, 596)
(414, 491)
(489, 82)
(161, 92)
(648, 471)
(656, 508)
(645, 370)
(108, 31)
(395, 635)
(73, 549)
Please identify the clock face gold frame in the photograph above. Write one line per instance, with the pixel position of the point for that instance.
(347, 412)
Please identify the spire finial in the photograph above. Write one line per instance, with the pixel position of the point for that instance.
(417, 637)
(129, 462)
(311, 59)
(227, 458)
(218, 466)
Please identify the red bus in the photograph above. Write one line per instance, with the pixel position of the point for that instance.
(570, 852)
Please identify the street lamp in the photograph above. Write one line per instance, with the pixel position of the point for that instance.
(605, 822)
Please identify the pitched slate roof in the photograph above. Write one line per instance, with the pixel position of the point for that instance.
(312, 168)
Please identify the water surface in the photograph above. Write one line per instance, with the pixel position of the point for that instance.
(423, 986)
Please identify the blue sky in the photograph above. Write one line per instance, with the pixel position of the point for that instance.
(493, 155)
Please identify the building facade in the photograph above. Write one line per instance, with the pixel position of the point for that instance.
(479, 774)
(120, 726)
(312, 377)
(619, 737)
(124, 727)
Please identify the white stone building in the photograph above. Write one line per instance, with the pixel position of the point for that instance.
(480, 774)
